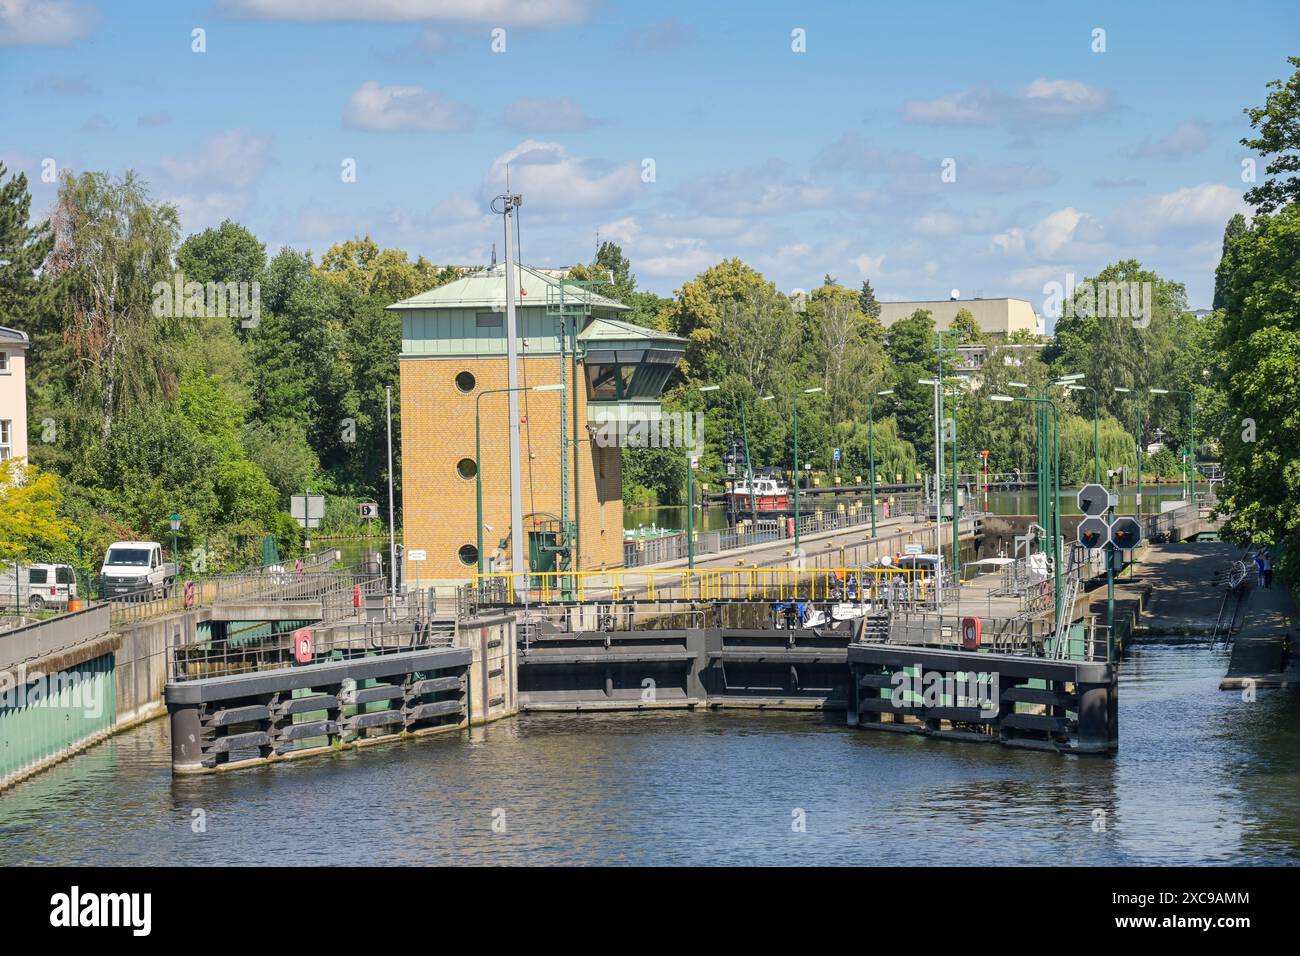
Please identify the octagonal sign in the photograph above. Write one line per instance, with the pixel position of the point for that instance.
(1094, 500)
(1093, 533)
(1126, 533)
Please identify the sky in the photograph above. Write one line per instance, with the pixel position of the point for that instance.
(990, 148)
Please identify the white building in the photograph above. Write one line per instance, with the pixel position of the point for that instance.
(13, 393)
(999, 318)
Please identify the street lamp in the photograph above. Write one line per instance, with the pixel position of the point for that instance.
(478, 450)
(794, 407)
(871, 452)
(175, 522)
(1191, 403)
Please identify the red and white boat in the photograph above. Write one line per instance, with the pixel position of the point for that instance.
(770, 497)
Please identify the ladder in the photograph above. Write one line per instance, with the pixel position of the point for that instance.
(1061, 647)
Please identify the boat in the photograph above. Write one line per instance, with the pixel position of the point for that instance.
(770, 497)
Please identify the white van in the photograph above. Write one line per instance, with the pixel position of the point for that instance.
(38, 586)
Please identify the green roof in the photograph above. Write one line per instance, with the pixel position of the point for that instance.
(607, 330)
(487, 288)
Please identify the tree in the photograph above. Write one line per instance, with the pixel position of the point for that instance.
(609, 272)
(30, 522)
(23, 249)
(851, 361)
(965, 328)
(228, 253)
(910, 343)
(386, 274)
(867, 301)
(1235, 229)
(1260, 375)
(111, 246)
(1278, 123)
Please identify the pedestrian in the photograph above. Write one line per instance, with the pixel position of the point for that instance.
(1260, 561)
(1268, 573)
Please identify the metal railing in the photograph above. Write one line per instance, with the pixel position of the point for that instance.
(821, 514)
(507, 588)
(69, 630)
(192, 593)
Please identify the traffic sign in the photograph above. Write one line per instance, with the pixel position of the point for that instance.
(1094, 500)
(1126, 533)
(308, 510)
(417, 554)
(368, 510)
(1093, 533)
(837, 454)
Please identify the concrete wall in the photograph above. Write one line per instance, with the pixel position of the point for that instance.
(994, 316)
(125, 671)
(493, 690)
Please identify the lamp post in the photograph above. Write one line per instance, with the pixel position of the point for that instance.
(1049, 407)
(478, 450)
(794, 407)
(175, 522)
(1191, 403)
(871, 452)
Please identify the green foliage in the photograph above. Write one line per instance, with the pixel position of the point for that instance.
(1260, 376)
(1278, 124)
(31, 526)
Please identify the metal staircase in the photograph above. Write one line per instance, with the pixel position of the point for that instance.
(1061, 646)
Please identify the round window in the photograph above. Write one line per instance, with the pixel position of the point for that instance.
(465, 381)
(468, 554)
(467, 468)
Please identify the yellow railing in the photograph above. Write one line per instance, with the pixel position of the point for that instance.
(701, 584)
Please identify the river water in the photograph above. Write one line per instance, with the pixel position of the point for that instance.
(1201, 777)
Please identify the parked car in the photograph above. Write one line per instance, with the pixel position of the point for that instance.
(38, 586)
(136, 567)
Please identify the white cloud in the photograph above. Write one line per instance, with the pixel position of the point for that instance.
(215, 180)
(45, 22)
(391, 109)
(1042, 101)
(548, 177)
(870, 265)
(533, 13)
(1054, 234)
(1209, 204)
(541, 115)
(760, 190)
(1185, 140)
(938, 224)
(233, 160)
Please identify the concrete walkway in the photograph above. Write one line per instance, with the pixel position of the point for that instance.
(1184, 599)
(1263, 652)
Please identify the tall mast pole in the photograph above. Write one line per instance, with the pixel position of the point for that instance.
(518, 552)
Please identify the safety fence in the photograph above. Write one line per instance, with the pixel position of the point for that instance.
(301, 575)
(818, 515)
(512, 589)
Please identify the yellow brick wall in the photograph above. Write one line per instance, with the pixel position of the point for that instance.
(438, 505)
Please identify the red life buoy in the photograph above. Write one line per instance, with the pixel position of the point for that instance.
(303, 647)
(970, 633)
(356, 595)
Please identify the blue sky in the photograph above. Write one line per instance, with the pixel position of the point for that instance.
(801, 163)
